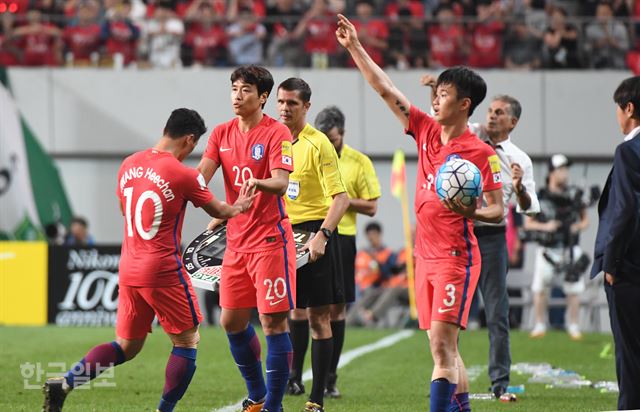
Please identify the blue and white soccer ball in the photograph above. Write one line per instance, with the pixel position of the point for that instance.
(459, 179)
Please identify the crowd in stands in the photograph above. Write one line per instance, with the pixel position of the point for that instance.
(515, 34)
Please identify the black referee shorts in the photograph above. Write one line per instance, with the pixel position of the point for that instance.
(348, 251)
(320, 283)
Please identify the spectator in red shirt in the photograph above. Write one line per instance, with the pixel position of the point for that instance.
(40, 42)
(318, 27)
(206, 41)
(83, 39)
(446, 40)
(8, 51)
(486, 36)
(120, 34)
(372, 32)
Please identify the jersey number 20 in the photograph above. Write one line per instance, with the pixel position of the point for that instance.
(157, 213)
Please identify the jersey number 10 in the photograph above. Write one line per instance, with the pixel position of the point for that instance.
(157, 213)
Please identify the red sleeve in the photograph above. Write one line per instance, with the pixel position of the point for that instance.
(421, 126)
(212, 150)
(280, 148)
(194, 188)
(489, 165)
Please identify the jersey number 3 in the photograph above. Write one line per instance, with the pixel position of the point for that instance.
(157, 213)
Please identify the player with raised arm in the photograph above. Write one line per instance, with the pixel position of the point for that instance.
(316, 200)
(153, 190)
(447, 255)
(258, 269)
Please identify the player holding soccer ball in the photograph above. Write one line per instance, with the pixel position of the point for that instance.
(259, 266)
(153, 189)
(447, 255)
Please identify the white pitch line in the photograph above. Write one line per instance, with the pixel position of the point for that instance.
(345, 359)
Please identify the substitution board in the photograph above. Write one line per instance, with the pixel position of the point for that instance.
(203, 257)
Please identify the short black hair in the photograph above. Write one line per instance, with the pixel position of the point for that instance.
(629, 92)
(375, 226)
(80, 220)
(256, 75)
(183, 122)
(298, 85)
(515, 108)
(328, 118)
(468, 84)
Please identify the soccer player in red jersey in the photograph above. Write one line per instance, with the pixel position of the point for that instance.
(258, 269)
(447, 254)
(153, 190)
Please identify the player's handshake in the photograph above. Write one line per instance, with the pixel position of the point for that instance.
(246, 197)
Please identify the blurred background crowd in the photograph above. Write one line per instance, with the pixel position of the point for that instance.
(513, 34)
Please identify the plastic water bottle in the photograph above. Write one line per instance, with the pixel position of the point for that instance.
(515, 389)
(481, 396)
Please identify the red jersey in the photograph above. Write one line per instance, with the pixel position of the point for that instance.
(82, 40)
(253, 154)
(38, 49)
(441, 233)
(486, 45)
(207, 44)
(121, 37)
(320, 37)
(153, 188)
(445, 45)
(374, 28)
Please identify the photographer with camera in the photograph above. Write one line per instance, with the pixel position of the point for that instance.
(556, 229)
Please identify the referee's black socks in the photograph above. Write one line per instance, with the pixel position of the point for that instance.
(321, 353)
(337, 330)
(300, 342)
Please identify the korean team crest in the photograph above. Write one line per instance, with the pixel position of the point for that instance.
(257, 151)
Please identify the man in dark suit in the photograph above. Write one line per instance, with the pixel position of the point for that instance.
(617, 249)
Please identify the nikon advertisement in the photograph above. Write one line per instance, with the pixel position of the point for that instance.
(83, 285)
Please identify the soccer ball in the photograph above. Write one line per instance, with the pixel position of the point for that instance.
(459, 179)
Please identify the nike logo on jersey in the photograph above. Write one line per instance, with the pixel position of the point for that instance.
(440, 310)
(225, 149)
(276, 302)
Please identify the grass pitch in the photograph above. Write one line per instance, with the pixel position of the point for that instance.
(394, 379)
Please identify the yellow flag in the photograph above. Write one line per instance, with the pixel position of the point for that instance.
(399, 190)
(398, 174)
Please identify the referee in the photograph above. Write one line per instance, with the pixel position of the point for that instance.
(316, 200)
(363, 188)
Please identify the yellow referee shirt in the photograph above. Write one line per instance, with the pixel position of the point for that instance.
(361, 182)
(315, 178)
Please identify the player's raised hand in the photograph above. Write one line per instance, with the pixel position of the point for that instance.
(428, 80)
(316, 247)
(246, 197)
(455, 205)
(346, 32)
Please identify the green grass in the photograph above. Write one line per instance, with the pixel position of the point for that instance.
(393, 379)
